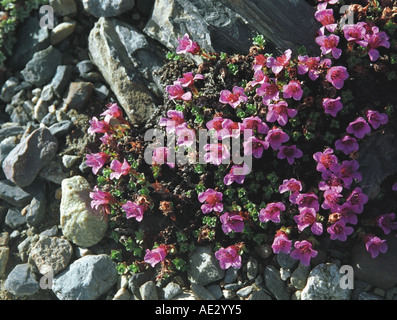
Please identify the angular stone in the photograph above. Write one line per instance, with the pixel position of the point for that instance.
(36, 210)
(4, 255)
(299, 276)
(274, 283)
(64, 7)
(9, 89)
(106, 8)
(61, 79)
(78, 95)
(21, 281)
(25, 161)
(171, 290)
(11, 131)
(14, 218)
(62, 31)
(61, 128)
(148, 291)
(201, 292)
(80, 223)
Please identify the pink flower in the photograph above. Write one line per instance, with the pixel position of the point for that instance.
(280, 112)
(269, 92)
(237, 173)
(307, 218)
(347, 213)
(275, 137)
(356, 33)
(309, 65)
(337, 76)
(329, 1)
(187, 46)
(113, 111)
(376, 119)
(176, 92)
(100, 198)
(259, 77)
(231, 221)
(325, 159)
(374, 245)
(357, 199)
(293, 90)
(304, 252)
(229, 257)
(98, 126)
(387, 223)
(271, 212)
(281, 243)
(96, 161)
(394, 187)
(185, 136)
(229, 129)
(161, 155)
(331, 199)
(212, 201)
(292, 185)
(254, 146)
(347, 144)
(339, 230)
(332, 106)
(289, 152)
(119, 169)
(175, 119)
(331, 181)
(279, 63)
(133, 210)
(375, 40)
(328, 44)
(326, 18)
(347, 171)
(233, 99)
(259, 62)
(218, 152)
(307, 200)
(155, 256)
(359, 128)
(188, 79)
(256, 124)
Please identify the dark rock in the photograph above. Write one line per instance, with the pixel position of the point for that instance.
(8, 89)
(13, 194)
(78, 95)
(14, 218)
(85, 66)
(21, 281)
(36, 210)
(61, 128)
(274, 283)
(106, 8)
(11, 131)
(61, 79)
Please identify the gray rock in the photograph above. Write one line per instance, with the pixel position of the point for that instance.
(106, 8)
(53, 173)
(85, 66)
(40, 109)
(9, 89)
(232, 286)
(78, 95)
(285, 261)
(116, 49)
(62, 31)
(25, 246)
(49, 119)
(68, 161)
(215, 290)
(264, 250)
(52, 232)
(245, 292)
(14, 218)
(61, 79)
(64, 7)
(323, 283)
(36, 210)
(299, 276)
(42, 67)
(4, 256)
(21, 281)
(6, 146)
(204, 268)
(201, 292)
(228, 294)
(25, 161)
(4, 238)
(123, 294)
(86, 278)
(252, 269)
(148, 291)
(101, 91)
(136, 281)
(274, 284)
(230, 275)
(13, 194)
(51, 252)
(171, 290)
(259, 295)
(59, 129)
(47, 93)
(369, 296)
(80, 223)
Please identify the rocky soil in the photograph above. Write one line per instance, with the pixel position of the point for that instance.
(58, 79)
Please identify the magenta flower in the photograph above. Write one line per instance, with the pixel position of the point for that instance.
(231, 221)
(347, 144)
(331, 199)
(280, 112)
(119, 169)
(269, 92)
(155, 256)
(325, 159)
(376, 119)
(133, 210)
(293, 90)
(100, 198)
(271, 212)
(237, 173)
(374, 245)
(212, 201)
(394, 187)
(292, 185)
(217, 153)
(174, 119)
(329, 44)
(326, 18)
(308, 218)
(230, 129)
(337, 76)
(359, 128)
(233, 98)
(375, 40)
(176, 92)
(229, 257)
(329, 1)
(307, 200)
(357, 199)
(188, 79)
(97, 126)
(279, 63)
(187, 46)
(339, 230)
(259, 77)
(162, 155)
(347, 171)
(96, 161)
(254, 146)
(330, 181)
(281, 243)
(255, 124)
(303, 251)
(387, 223)
(259, 62)
(289, 152)
(347, 213)
(332, 106)
(185, 136)
(356, 33)
(309, 65)
(275, 137)
(113, 111)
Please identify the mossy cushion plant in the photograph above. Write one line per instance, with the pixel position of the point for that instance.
(299, 119)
